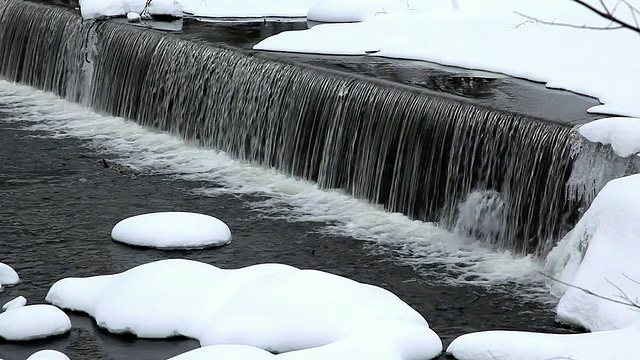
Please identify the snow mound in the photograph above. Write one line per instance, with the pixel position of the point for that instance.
(623, 134)
(601, 255)
(306, 314)
(92, 9)
(48, 355)
(518, 345)
(225, 352)
(172, 230)
(247, 8)
(489, 35)
(33, 322)
(8, 276)
(18, 302)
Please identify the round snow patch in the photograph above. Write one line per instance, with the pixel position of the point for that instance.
(172, 230)
(33, 322)
(48, 355)
(8, 276)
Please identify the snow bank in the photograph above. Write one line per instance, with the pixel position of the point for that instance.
(270, 306)
(20, 301)
(623, 134)
(601, 255)
(350, 10)
(48, 355)
(247, 8)
(8, 276)
(172, 230)
(517, 345)
(226, 352)
(486, 35)
(33, 322)
(94, 9)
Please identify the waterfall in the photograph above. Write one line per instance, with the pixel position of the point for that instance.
(413, 151)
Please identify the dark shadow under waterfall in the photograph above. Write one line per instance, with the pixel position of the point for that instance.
(490, 174)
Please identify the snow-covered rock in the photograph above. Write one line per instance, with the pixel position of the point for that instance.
(304, 313)
(226, 352)
(33, 322)
(92, 9)
(172, 230)
(48, 355)
(133, 16)
(8, 276)
(491, 35)
(601, 255)
(20, 301)
(517, 345)
(622, 133)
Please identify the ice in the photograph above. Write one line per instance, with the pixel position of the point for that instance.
(33, 322)
(18, 302)
(301, 314)
(172, 230)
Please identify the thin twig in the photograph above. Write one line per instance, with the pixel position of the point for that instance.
(589, 292)
(568, 25)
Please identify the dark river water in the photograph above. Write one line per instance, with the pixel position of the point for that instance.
(58, 206)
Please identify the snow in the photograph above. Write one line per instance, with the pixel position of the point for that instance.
(18, 302)
(172, 230)
(48, 355)
(247, 8)
(348, 10)
(487, 35)
(623, 134)
(225, 352)
(601, 255)
(8, 276)
(133, 16)
(516, 345)
(301, 314)
(33, 322)
(93, 9)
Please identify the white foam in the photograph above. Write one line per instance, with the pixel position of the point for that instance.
(416, 243)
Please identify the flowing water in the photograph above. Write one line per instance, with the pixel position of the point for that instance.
(449, 204)
(58, 205)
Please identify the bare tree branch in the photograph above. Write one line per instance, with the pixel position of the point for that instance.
(608, 15)
(566, 24)
(624, 302)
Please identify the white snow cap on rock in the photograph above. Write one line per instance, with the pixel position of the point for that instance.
(95, 9)
(33, 322)
(8, 276)
(519, 345)
(622, 133)
(48, 355)
(601, 255)
(20, 301)
(300, 314)
(172, 230)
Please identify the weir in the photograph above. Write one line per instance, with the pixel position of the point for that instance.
(494, 175)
